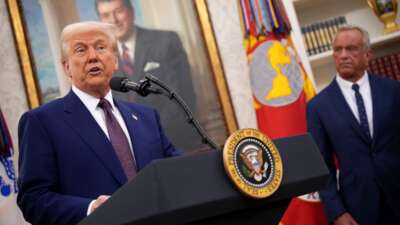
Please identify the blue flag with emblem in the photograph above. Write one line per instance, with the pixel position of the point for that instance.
(9, 212)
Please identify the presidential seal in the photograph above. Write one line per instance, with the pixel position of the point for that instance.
(253, 163)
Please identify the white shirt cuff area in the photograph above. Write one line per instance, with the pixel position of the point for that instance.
(90, 207)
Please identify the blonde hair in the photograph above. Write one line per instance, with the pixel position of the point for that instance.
(83, 27)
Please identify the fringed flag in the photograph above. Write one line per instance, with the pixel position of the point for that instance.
(9, 212)
(281, 88)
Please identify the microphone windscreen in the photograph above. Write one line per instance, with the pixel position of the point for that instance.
(116, 83)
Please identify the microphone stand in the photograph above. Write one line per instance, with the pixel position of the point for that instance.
(189, 115)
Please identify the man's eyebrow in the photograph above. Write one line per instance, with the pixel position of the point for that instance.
(119, 8)
(78, 44)
(100, 41)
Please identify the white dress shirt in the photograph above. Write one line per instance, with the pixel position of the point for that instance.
(365, 91)
(91, 103)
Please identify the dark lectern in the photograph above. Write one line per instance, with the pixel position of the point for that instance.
(195, 189)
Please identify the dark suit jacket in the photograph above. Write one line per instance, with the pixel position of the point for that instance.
(66, 160)
(369, 170)
(165, 48)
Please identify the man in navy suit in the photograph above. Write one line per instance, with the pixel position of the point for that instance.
(356, 119)
(160, 53)
(77, 150)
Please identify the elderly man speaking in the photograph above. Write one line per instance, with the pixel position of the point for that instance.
(77, 150)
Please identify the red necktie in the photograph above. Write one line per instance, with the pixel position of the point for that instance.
(126, 64)
(119, 140)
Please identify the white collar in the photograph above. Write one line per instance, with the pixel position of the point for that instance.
(348, 84)
(90, 101)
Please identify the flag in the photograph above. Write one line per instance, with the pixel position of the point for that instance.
(281, 88)
(9, 212)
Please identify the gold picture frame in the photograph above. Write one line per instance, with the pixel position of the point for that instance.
(24, 54)
(216, 65)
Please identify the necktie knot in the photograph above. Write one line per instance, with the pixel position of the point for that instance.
(126, 62)
(104, 104)
(355, 87)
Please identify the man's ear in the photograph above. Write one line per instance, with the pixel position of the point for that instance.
(368, 56)
(66, 68)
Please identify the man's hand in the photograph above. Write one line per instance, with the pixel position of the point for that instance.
(345, 219)
(98, 202)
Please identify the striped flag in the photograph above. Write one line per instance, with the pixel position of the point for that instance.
(9, 212)
(281, 88)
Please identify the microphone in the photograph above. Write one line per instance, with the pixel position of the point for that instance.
(144, 88)
(123, 84)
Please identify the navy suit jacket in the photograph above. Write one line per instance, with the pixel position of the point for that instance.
(66, 160)
(369, 169)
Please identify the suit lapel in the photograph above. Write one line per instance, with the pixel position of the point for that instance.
(341, 105)
(133, 123)
(83, 123)
(141, 50)
(378, 99)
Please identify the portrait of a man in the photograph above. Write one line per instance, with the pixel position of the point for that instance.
(157, 52)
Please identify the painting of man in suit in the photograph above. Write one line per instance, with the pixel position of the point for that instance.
(355, 119)
(159, 53)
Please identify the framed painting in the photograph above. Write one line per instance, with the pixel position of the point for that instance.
(37, 25)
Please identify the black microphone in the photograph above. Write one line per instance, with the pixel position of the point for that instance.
(123, 84)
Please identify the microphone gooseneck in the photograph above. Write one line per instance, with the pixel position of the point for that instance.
(144, 88)
(189, 115)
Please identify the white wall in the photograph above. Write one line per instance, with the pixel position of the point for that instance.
(12, 101)
(225, 20)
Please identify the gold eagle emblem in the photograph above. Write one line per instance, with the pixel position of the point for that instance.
(252, 157)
